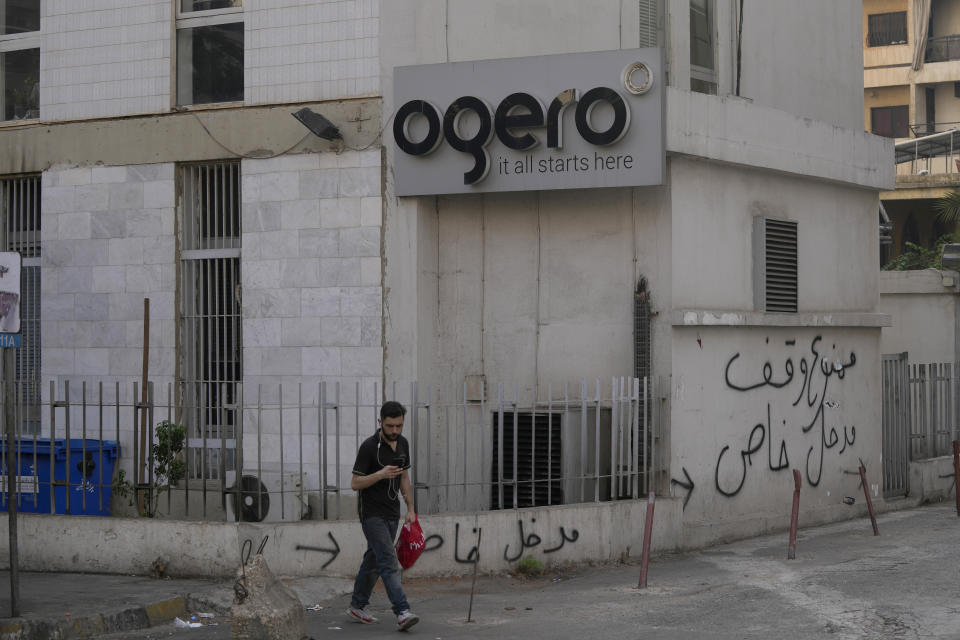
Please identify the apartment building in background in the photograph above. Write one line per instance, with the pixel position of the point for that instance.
(911, 79)
(705, 157)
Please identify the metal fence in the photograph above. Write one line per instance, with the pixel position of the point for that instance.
(473, 447)
(934, 406)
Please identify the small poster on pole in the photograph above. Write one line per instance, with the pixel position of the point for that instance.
(9, 299)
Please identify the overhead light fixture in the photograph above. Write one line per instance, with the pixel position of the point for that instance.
(317, 124)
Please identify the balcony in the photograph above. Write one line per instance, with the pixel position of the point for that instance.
(942, 49)
(931, 157)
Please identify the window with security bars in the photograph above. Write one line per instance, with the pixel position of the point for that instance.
(531, 461)
(209, 313)
(21, 232)
(884, 29)
(775, 264)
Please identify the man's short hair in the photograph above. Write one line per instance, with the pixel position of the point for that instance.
(392, 409)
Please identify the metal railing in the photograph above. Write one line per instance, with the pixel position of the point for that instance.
(290, 457)
(942, 49)
(934, 409)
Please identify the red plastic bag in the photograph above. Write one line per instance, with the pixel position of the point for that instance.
(410, 544)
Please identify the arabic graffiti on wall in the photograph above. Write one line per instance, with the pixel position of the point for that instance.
(798, 406)
(512, 550)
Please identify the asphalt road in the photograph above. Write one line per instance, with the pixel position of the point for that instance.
(844, 584)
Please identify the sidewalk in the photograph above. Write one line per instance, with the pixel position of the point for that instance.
(845, 583)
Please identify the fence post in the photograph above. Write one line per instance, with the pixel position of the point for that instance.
(794, 516)
(647, 535)
(956, 474)
(13, 473)
(866, 494)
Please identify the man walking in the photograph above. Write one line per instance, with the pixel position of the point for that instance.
(380, 477)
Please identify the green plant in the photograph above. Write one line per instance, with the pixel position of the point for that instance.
(166, 459)
(917, 257)
(529, 566)
(948, 207)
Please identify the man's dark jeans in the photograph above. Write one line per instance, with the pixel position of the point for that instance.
(380, 560)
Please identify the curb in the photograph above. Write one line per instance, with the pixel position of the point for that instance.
(93, 625)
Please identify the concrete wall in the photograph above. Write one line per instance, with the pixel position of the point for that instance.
(946, 104)
(923, 308)
(805, 58)
(713, 210)
(749, 405)
(822, 83)
(558, 535)
(883, 97)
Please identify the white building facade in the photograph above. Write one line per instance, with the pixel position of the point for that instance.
(168, 166)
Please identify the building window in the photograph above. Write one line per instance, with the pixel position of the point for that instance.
(890, 122)
(209, 51)
(703, 42)
(531, 470)
(20, 206)
(20, 59)
(884, 29)
(209, 313)
(775, 265)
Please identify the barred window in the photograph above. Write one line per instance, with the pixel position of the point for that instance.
(209, 314)
(20, 196)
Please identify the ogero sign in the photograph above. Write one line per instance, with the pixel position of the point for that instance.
(588, 134)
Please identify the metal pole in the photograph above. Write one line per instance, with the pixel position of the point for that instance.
(866, 493)
(956, 474)
(794, 516)
(9, 369)
(473, 586)
(647, 535)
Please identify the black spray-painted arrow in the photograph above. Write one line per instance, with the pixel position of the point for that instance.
(334, 552)
(688, 485)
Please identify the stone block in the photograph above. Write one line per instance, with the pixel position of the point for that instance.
(361, 361)
(360, 242)
(158, 194)
(321, 361)
(126, 195)
(320, 302)
(277, 187)
(337, 213)
(74, 226)
(125, 251)
(108, 224)
(371, 211)
(323, 183)
(319, 243)
(94, 197)
(360, 182)
(361, 301)
(300, 214)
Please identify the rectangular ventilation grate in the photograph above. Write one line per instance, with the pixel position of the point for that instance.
(776, 271)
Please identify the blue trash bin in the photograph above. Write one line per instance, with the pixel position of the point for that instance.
(91, 464)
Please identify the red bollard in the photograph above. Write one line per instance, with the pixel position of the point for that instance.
(647, 534)
(956, 474)
(866, 493)
(792, 549)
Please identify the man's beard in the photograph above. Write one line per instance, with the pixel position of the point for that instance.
(392, 437)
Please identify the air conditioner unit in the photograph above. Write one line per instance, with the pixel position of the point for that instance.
(271, 497)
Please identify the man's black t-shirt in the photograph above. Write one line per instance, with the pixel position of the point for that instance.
(382, 499)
